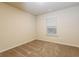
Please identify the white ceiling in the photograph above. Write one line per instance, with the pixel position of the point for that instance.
(38, 8)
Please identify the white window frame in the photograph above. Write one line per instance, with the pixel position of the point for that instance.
(50, 23)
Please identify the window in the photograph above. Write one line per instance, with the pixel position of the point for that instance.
(51, 26)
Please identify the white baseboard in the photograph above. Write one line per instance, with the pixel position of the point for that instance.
(21, 43)
(38, 39)
(67, 44)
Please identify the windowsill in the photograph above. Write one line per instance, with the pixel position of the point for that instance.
(52, 35)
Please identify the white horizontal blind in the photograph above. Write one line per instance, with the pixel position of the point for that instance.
(51, 26)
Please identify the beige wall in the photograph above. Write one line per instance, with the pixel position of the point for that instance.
(16, 27)
(67, 26)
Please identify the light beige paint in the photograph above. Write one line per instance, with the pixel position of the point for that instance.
(16, 27)
(67, 26)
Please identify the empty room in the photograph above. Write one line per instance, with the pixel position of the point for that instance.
(39, 29)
